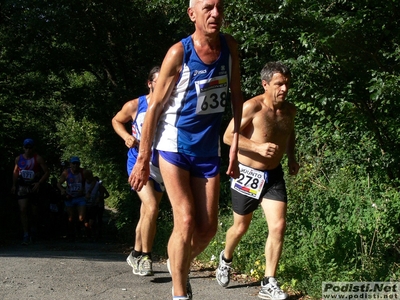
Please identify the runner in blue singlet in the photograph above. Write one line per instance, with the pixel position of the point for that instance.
(140, 259)
(184, 116)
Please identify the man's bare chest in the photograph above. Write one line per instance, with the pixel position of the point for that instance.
(272, 127)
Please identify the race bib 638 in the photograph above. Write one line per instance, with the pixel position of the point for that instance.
(212, 95)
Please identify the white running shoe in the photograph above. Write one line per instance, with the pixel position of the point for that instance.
(134, 263)
(223, 272)
(145, 266)
(271, 290)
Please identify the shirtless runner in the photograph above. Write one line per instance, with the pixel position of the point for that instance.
(266, 133)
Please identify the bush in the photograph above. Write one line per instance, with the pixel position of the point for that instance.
(340, 228)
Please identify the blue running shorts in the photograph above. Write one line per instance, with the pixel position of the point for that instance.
(202, 167)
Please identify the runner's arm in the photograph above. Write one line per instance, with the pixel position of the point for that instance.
(167, 78)
(45, 169)
(126, 114)
(237, 106)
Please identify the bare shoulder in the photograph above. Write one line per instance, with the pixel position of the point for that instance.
(251, 108)
(174, 58)
(254, 104)
(127, 111)
(175, 50)
(131, 105)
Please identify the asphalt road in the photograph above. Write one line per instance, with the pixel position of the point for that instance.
(57, 269)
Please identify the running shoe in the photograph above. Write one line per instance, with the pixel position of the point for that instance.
(134, 263)
(223, 272)
(146, 266)
(271, 290)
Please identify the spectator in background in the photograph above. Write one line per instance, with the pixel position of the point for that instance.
(74, 195)
(30, 172)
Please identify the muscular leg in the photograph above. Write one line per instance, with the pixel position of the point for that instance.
(71, 221)
(275, 213)
(178, 185)
(71, 213)
(235, 233)
(206, 198)
(81, 213)
(81, 218)
(138, 232)
(148, 216)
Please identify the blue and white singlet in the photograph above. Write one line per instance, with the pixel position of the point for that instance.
(137, 124)
(191, 120)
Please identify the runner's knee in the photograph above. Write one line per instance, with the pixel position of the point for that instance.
(278, 228)
(207, 231)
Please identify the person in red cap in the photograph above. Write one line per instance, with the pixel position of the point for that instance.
(29, 173)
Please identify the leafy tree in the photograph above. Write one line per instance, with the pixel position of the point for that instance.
(66, 67)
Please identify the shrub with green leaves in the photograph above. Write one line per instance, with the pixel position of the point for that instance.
(341, 227)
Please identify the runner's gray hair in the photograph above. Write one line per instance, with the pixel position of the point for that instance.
(273, 67)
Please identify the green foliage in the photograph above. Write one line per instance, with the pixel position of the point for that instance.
(66, 67)
(343, 209)
(340, 228)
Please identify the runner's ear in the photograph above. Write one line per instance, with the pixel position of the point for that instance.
(191, 14)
